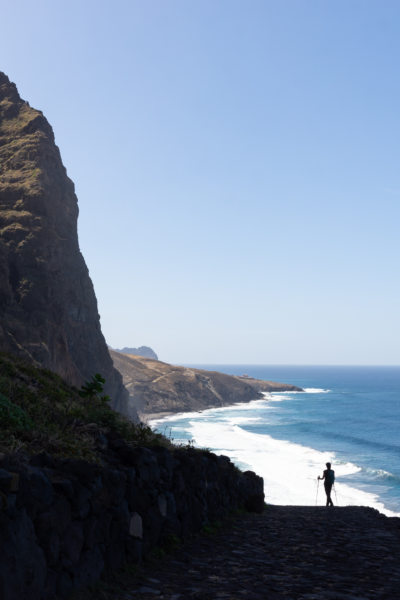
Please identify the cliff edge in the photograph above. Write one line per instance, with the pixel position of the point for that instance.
(48, 308)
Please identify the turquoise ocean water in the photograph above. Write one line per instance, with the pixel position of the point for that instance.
(349, 416)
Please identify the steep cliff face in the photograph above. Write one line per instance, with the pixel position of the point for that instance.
(48, 309)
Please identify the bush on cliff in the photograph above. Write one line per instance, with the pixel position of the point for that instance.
(40, 412)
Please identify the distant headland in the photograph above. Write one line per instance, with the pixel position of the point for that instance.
(158, 389)
(144, 351)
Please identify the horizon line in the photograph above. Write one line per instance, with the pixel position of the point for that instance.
(290, 364)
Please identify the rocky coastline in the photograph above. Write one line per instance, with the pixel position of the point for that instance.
(158, 389)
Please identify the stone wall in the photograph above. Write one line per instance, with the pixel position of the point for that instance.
(65, 522)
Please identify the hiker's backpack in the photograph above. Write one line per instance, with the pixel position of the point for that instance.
(330, 476)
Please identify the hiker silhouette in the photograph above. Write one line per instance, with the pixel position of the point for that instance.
(329, 479)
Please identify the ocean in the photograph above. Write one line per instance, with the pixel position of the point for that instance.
(348, 416)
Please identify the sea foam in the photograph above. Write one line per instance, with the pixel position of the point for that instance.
(289, 469)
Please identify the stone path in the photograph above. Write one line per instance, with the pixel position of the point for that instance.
(288, 552)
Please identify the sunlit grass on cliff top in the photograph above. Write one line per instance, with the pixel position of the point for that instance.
(19, 148)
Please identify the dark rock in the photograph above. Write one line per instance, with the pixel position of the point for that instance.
(90, 568)
(134, 549)
(166, 463)
(146, 465)
(115, 554)
(22, 561)
(5, 480)
(35, 490)
(255, 503)
(114, 486)
(72, 543)
(81, 505)
(50, 542)
(48, 308)
(50, 585)
(90, 532)
(253, 491)
(131, 489)
(64, 486)
(43, 459)
(86, 473)
(141, 499)
(152, 527)
(120, 516)
(57, 517)
(64, 584)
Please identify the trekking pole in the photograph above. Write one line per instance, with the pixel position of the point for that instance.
(316, 497)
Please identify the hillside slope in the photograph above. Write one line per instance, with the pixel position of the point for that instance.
(159, 388)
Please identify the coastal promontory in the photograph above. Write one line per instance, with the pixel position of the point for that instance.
(157, 388)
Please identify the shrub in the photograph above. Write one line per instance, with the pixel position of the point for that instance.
(12, 416)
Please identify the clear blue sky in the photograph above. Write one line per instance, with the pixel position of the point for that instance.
(236, 165)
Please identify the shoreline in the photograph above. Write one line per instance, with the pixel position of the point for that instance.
(148, 418)
(273, 459)
(158, 389)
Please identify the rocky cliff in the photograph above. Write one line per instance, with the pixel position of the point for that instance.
(157, 388)
(48, 308)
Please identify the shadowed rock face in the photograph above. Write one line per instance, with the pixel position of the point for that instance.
(48, 308)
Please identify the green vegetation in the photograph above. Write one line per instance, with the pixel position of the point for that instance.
(40, 412)
(93, 390)
(12, 416)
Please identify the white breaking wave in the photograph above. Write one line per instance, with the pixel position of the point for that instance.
(204, 414)
(305, 391)
(289, 470)
(275, 396)
(282, 396)
(244, 420)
